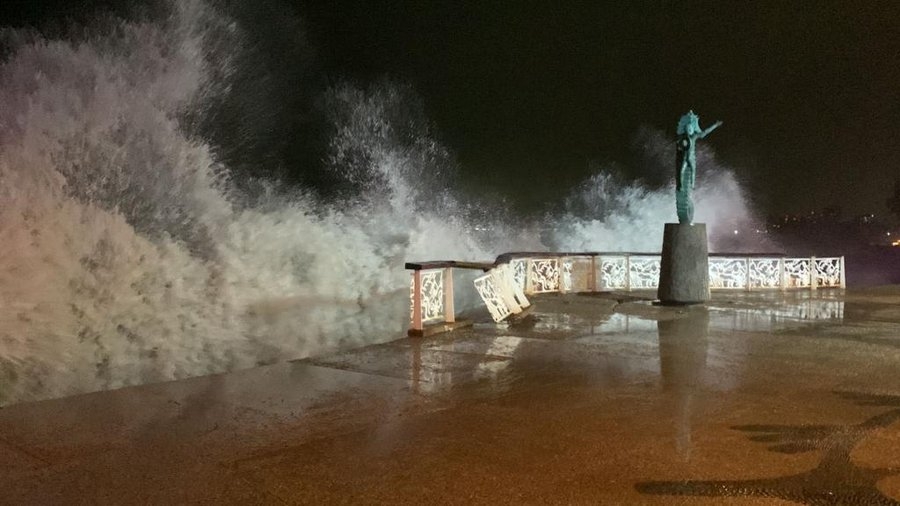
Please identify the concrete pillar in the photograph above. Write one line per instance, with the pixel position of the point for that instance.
(684, 266)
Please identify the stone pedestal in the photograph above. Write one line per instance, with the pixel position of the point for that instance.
(684, 267)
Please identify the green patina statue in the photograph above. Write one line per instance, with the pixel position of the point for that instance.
(686, 163)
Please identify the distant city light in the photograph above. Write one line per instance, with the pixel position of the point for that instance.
(735, 232)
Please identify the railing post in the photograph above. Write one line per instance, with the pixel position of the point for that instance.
(747, 267)
(599, 279)
(783, 274)
(449, 313)
(843, 274)
(592, 278)
(417, 301)
(529, 289)
(627, 272)
(813, 275)
(560, 273)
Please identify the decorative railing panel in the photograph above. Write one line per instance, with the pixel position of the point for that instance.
(432, 295)
(519, 269)
(566, 282)
(543, 275)
(727, 273)
(829, 272)
(513, 291)
(613, 273)
(512, 295)
(643, 272)
(765, 272)
(577, 274)
(490, 293)
(797, 272)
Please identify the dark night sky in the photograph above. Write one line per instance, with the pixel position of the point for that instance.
(809, 91)
(527, 93)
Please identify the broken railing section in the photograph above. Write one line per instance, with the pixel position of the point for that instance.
(512, 276)
(501, 292)
(431, 295)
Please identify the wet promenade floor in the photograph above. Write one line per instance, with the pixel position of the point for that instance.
(755, 398)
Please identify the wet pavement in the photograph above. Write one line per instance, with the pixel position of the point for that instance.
(754, 398)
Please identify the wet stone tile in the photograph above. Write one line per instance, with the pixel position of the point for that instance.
(14, 461)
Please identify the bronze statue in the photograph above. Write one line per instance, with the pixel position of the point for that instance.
(686, 163)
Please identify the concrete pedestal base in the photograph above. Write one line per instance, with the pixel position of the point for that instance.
(684, 267)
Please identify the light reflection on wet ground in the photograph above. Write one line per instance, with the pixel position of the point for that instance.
(586, 400)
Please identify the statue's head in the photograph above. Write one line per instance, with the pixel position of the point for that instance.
(689, 124)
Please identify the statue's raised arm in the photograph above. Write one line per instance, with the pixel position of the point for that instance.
(709, 130)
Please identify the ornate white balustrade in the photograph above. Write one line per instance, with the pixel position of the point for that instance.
(640, 271)
(508, 280)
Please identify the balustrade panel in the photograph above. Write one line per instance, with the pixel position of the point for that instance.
(543, 275)
(727, 273)
(765, 273)
(828, 271)
(519, 269)
(432, 295)
(490, 293)
(644, 272)
(796, 272)
(613, 272)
